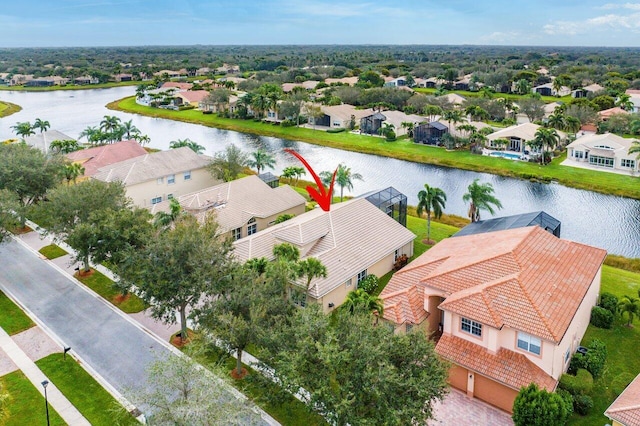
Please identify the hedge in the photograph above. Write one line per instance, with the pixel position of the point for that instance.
(580, 384)
(601, 317)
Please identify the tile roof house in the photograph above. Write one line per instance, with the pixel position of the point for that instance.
(591, 89)
(339, 116)
(43, 140)
(192, 97)
(152, 178)
(242, 207)
(606, 152)
(518, 136)
(512, 306)
(352, 240)
(625, 410)
(97, 157)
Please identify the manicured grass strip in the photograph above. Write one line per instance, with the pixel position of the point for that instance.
(26, 405)
(96, 404)
(7, 108)
(52, 251)
(70, 87)
(104, 287)
(418, 226)
(622, 347)
(288, 411)
(608, 183)
(12, 319)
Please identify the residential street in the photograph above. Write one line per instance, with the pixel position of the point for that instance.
(110, 343)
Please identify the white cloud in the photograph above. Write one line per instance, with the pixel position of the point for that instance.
(331, 9)
(610, 22)
(630, 6)
(500, 37)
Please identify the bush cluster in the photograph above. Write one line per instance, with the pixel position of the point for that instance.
(601, 317)
(339, 130)
(609, 302)
(369, 284)
(580, 384)
(582, 404)
(593, 361)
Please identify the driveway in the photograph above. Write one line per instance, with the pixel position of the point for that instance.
(104, 338)
(458, 409)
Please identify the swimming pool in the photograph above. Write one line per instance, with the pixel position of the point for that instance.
(508, 155)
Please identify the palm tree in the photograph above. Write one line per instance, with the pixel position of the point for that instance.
(476, 112)
(545, 137)
(467, 128)
(344, 177)
(408, 126)
(261, 159)
(109, 123)
(557, 121)
(23, 129)
(163, 220)
(142, 139)
(572, 124)
(311, 268)
(431, 199)
(480, 197)
(635, 149)
(624, 102)
(360, 299)
(42, 125)
(293, 171)
(432, 111)
(129, 129)
(452, 116)
(195, 147)
(72, 171)
(89, 133)
(522, 86)
(64, 146)
(630, 305)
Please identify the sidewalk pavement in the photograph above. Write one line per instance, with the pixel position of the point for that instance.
(65, 409)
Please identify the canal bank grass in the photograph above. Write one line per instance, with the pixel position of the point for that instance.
(92, 400)
(69, 87)
(607, 183)
(622, 347)
(26, 405)
(12, 319)
(102, 285)
(52, 251)
(7, 108)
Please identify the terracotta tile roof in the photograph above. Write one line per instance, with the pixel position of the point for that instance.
(524, 278)
(100, 156)
(607, 113)
(626, 408)
(507, 367)
(406, 306)
(176, 84)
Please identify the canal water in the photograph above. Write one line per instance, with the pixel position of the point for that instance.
(612, 223)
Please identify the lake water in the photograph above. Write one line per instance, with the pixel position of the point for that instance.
(601, 220)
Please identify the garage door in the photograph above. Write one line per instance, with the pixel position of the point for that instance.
(494, 393)
(458, 377)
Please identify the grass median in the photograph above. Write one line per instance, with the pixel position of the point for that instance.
(102, 285)
(26, 405)
(52, 251)
(12, 319)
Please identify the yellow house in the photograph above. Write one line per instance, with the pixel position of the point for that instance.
(509, 307)
(153, 178)
(625, 410)
(242, 207)
(352, 240)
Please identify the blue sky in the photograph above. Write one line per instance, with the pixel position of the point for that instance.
(44, 23)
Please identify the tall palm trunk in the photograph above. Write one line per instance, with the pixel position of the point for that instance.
(429, 226)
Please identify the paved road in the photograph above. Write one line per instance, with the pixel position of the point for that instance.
(116, 348)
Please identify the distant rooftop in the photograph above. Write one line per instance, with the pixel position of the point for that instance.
(541, 219)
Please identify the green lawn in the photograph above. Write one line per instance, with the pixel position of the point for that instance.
(12, 319)
(71, 86)
(96, 404)
(104, 287)
(418, 226)
(52, 251)
(26, 405)
(289, 412)
(622, 345)
(7, 108)
(608, 183)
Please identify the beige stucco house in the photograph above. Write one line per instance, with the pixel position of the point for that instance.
(511, 307)
(153, 178)
(242, 207)
(352, 240)
(607, 152)
(519, 137)
(339, 116)
(625, 410)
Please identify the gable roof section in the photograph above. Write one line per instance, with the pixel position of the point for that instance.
(505, 366)
(152, 166)
(351, 237)
(524, 278)
(617, 143)
(43, 140)
(626, 408)
(93, 159)
(237, 201)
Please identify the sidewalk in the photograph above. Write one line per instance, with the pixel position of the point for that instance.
(65, 409)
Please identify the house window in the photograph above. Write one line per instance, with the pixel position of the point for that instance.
(409, 327)
(601, 161)
(627, 163)
(170, 197)
(252, 226)
(396, 255)
(471, 326)
(156, 200)
(171, 179)
(236, 234)
(567, 355)
(578, 154)
(337, 124)
(349, 282)
(361, 276)
(298, 297)
(160, 180)
(529, 343)
(187, 175)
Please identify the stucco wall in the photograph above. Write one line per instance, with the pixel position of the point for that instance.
(142, 193)
(264, 223)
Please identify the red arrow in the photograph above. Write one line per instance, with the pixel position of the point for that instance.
(323, 198)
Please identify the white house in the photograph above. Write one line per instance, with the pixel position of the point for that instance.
(607, 152)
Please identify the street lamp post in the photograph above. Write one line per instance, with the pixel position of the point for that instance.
(46, 401)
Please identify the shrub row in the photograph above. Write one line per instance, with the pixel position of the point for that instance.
(593, 361)
(601, 317)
